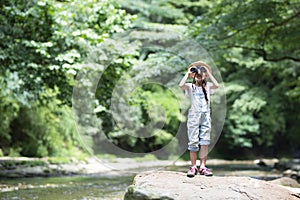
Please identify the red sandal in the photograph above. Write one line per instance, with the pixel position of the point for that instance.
(205, 171)
(192, 172)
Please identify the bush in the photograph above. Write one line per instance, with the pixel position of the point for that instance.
(42, 131)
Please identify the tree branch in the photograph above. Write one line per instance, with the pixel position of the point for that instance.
(267, 31)
(265, 55)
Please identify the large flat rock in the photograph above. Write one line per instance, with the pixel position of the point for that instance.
(176, 185)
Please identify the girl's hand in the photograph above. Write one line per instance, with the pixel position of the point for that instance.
(189, 72)
(206, 68)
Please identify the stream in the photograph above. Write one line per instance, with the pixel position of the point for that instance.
(66, 188)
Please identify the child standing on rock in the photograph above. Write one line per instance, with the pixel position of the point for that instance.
(199, 121)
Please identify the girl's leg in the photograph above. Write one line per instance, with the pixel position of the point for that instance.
(203, 155)
(193, 144)
(193, 169)
(193, 157)
(204, 142)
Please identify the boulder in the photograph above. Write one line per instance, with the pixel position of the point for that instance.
(286, 181)
(169, 185)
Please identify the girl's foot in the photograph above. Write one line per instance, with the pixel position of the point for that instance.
(205, 171)
(192, 172)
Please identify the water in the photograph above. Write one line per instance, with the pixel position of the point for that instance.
(66, 188)
(107, 187)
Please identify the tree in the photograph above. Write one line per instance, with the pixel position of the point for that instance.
(268, 28)
(43, 45)
(253, 42)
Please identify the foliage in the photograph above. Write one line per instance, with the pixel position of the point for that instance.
(46, 44)
(43, 131)
(253, 42)
(165, 11)
(126, 133)
(9, 164)
(43, 45)
(156, 116)
(9, 109)
(26, 31)
(268, 28)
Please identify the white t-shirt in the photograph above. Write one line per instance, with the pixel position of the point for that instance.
(198, 102)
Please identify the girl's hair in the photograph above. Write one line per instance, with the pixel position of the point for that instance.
(203, 84)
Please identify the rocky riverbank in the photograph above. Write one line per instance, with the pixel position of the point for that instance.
(18, 167)
(239, 170)
(176, 185)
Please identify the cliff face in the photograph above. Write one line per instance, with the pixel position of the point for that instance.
(176, 185)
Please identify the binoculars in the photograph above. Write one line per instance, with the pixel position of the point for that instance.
(197, 69)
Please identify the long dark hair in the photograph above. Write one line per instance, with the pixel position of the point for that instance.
(203, 84)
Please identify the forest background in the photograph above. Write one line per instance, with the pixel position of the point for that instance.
(46, 43)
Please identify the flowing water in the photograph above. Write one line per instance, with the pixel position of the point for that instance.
(105, 186)
(66, 188)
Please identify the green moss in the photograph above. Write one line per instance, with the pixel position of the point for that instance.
(60, 160)
(9, 164)
(147, 157)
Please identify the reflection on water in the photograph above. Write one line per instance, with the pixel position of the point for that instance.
(110, 187)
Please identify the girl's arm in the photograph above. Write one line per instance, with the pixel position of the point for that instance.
(214, 81)
(183, 81)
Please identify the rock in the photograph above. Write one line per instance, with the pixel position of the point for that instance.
(284, 164)
(260, 162)
(266, 162)
(176, 185)
(286, 181)
(289, 167)
(291, 173)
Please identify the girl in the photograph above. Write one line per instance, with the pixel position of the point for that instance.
(198, 123)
